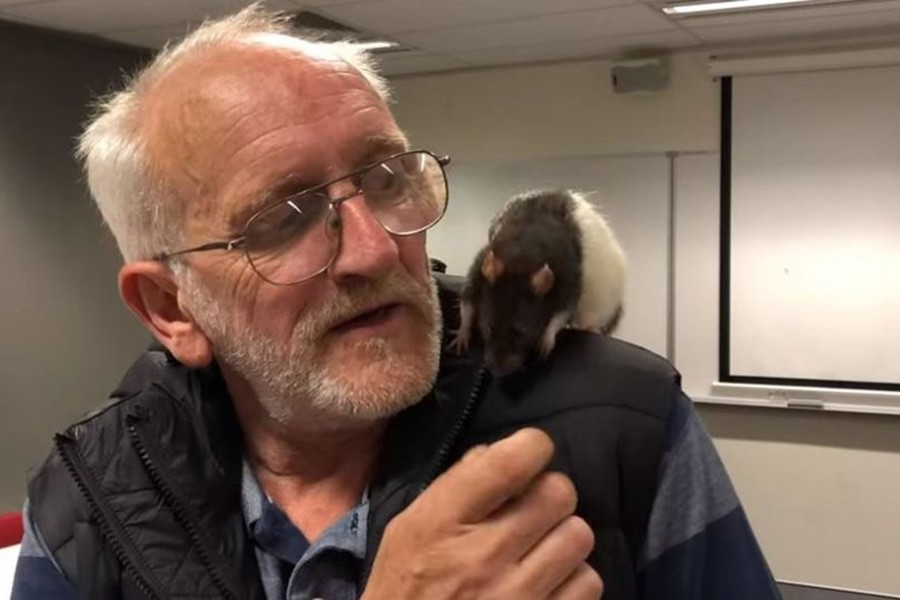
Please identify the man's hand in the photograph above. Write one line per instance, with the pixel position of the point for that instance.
(494, 526)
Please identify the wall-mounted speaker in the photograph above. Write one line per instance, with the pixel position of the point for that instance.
(640, 75)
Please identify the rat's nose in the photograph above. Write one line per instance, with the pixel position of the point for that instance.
(500, 366)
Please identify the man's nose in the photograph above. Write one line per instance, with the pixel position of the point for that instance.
(366, 250)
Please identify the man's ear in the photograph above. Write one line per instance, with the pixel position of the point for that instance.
(150, 291)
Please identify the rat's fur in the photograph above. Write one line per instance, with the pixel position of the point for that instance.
(551, 261)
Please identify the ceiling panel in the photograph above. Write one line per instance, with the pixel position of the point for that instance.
(613, 21)
(400, 63)
(769, 31)
(11, 2)
(91, 16)
(601, 47)
(392, 16)
(837, 11)
(452, 34)
(150, 37)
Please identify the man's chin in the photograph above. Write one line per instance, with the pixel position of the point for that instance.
(375, 378)
(370, 397)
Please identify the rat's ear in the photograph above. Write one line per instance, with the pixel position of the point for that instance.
(542, 281)
(491, 267)
(150, 291)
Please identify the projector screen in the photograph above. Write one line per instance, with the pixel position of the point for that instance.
(814, 252)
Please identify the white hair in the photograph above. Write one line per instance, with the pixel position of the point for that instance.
(136, 201)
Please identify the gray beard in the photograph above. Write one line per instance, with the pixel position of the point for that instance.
(298, 380)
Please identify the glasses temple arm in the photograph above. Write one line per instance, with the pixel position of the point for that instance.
(223, 245)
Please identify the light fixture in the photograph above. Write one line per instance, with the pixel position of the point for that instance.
(693, 8)
(328, 30)
(376, 45)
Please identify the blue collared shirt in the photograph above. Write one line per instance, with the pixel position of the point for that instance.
(293, 569)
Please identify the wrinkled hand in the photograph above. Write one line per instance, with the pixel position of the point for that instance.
(494, 526)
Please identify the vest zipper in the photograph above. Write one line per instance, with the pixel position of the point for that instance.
(178, 508)
(110, 527)
(442, 456)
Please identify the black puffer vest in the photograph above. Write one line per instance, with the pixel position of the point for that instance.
(141, 498)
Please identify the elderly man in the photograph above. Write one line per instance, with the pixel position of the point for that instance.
(296, 432)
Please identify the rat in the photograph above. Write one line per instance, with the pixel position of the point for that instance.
(551, 261)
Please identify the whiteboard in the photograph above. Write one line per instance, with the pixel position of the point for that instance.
(815, 226)
(633, 193)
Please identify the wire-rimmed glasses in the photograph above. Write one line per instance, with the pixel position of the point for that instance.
(298, 237)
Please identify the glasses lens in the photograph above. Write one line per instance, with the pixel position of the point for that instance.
(292, 240)
(296, 239)
(407, 193)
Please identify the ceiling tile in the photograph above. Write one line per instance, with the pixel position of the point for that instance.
(13, 2)
(400, 63)
(150, 37)
(15, 19)
(780, 30)
(92, 16)
(584, 25)
(789, 14)
(450, 34)
(602, 47)
(157, 36)
(392, 16)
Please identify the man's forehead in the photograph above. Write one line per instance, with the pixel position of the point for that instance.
(254, 64)
(238, 87)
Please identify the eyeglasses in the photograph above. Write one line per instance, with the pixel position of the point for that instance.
(298, 237)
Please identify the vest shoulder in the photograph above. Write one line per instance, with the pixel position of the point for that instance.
(612, 354)
(165, 447)
(587, 371)
(153, 380)
(152, 369)
(102, 433)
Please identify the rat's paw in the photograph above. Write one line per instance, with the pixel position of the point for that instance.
(461, 340)
(548, 340)
(547, 344)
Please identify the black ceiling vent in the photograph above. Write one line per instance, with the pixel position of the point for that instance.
(323, 28)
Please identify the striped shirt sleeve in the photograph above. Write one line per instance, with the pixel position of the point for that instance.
(699, 544)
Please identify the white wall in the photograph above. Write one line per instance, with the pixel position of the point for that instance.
(557, 110)
(820, 489)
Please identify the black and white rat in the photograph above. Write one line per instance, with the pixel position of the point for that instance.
(551, 262)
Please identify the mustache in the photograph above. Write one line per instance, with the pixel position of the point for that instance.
(351, 302)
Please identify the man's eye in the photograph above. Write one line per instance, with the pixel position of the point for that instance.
(382, 179)
(285, 223)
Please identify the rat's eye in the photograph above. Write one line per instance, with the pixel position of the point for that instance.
(522, 330)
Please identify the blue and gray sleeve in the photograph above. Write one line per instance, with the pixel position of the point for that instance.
(37, 575)
(699, 544)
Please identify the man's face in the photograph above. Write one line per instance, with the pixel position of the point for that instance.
(359, 340)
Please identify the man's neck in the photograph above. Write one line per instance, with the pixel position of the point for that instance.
(318, 478)
(315, 471)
